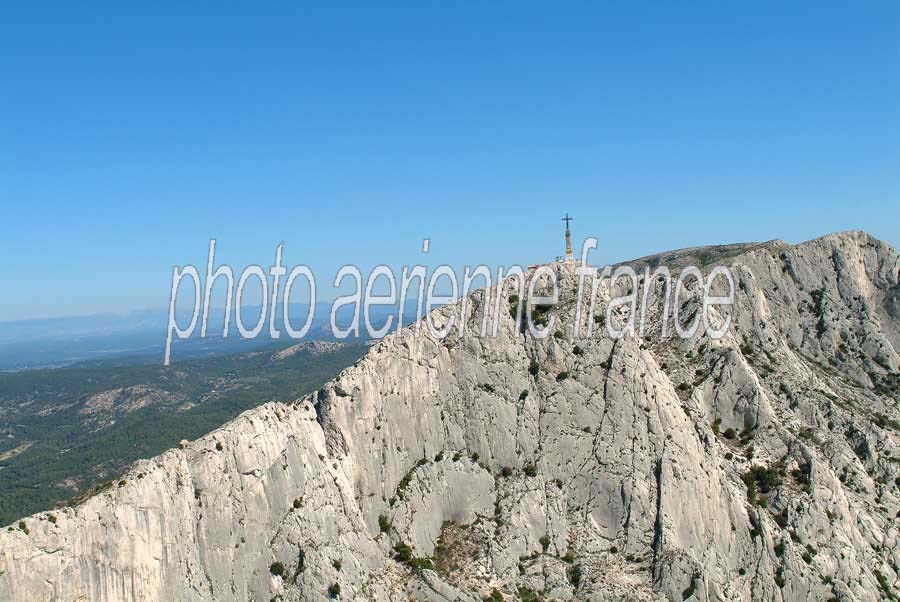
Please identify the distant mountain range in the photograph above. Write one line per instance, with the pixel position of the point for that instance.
(140, 335)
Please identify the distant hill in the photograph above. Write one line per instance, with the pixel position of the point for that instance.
(140, 336)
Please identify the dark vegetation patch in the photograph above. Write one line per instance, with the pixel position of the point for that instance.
(760, 479)
(70, 460)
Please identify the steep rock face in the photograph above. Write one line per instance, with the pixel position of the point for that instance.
(763, 465)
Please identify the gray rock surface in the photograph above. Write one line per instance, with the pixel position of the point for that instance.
(764, 465)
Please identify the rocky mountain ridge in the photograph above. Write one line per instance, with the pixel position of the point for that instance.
(764, 465)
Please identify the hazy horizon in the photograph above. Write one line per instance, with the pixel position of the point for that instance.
(255, 304)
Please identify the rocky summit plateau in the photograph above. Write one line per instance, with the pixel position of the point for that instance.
(763, 465)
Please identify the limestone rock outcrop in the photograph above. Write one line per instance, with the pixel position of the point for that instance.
(763, 465)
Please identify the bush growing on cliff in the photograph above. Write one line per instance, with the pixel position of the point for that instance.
(574, 575)
(526, 594)
(760, 479)
(402, 552)
(494, 596)
(277, 569)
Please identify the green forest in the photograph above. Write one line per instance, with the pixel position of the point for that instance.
(54, 445)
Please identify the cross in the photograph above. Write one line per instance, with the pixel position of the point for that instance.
(567, 219)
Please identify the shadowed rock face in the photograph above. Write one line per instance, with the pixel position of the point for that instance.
(764, 465)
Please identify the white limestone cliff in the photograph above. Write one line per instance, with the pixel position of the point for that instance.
(538, 469)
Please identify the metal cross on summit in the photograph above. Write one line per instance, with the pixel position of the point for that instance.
(568, 219)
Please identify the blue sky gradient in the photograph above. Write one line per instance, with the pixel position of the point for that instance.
(352, 132)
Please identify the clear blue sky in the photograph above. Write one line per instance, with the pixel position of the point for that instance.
(129, 139)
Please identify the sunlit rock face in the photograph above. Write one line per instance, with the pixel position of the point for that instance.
(763, 465)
